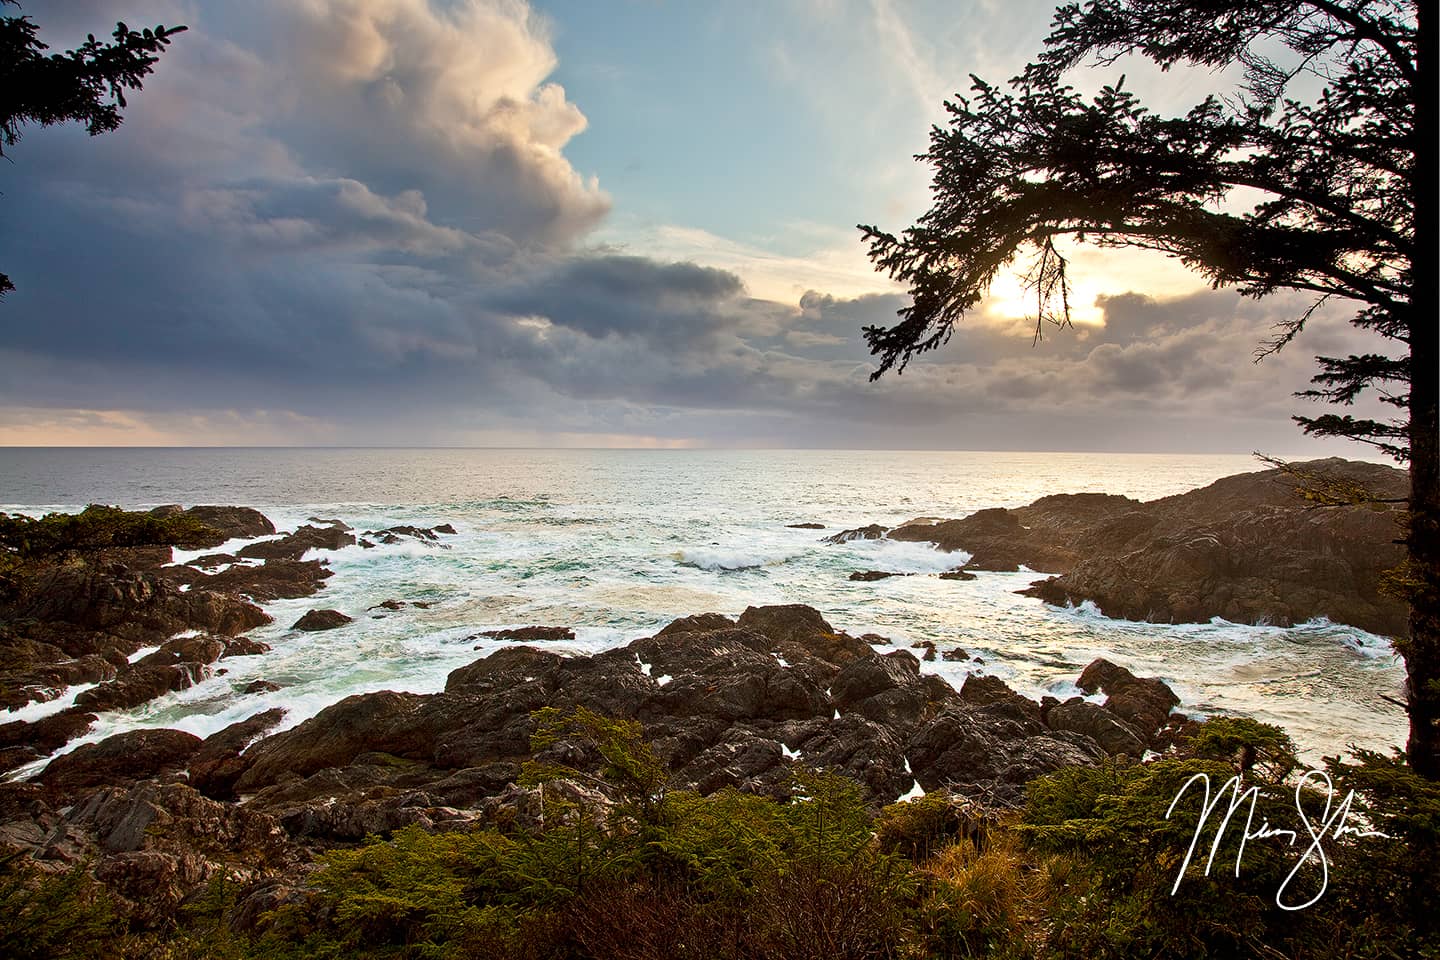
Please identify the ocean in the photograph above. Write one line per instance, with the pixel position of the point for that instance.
(616, 543)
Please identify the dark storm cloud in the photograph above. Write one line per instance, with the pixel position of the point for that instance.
(361, 213)
(675, 304)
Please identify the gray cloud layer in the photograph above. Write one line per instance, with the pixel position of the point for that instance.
(360, 215)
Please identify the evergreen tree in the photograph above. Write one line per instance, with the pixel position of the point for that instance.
(1333, 134)
(86, 84)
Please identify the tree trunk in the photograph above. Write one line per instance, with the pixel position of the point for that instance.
(1422, 650)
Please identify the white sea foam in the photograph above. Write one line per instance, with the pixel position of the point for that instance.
(39, 709)
(899, 556)
(732, 558)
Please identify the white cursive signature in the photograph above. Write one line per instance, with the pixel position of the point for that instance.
(1332, 824)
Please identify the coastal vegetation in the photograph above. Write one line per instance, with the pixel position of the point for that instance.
(627, 870)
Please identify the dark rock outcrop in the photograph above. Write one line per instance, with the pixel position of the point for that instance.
(724, 703)
(294, 545)
(527, 634)
(315, 620)
(262, 582)
(121, 759)
(1099, 724)
(1249, 548)
(1143, 703)
(217, 764)
(871, 532)
(227, 523)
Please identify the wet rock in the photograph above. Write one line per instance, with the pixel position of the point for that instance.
(527, 634)
(198, 649)
(22, 742)
(803, 629)
(996, 539)
(337, 735)
(219, 761)
(123, 758)
(260, 686)
(1144, 704)
(141, 684)
(268, 581)
(293, 546)
(872, 532)
(1094, 721)
(398, 533)
(388, 605)
(142, 607)
(1247, 548)
(341, 524)
(957, 574)
(315, 620)
(444, 528)
(927, 646)
(244, 647)
(213, 560)
(805, 526)
(43, 681)
(698, 622)
(508, 665)
(868, 575)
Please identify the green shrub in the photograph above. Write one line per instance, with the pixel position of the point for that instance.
(918, 828)
(65, 916)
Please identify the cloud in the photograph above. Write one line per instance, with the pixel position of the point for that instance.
(331, 221)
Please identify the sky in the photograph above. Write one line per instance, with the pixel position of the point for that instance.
(575, 223)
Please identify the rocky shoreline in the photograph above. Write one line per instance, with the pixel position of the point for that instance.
(130, 624)
(1249, 548)
(738, 704)
(724, 703)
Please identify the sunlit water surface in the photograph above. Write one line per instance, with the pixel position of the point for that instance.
(618, 543)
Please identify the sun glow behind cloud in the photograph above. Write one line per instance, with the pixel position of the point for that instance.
(365, 223)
